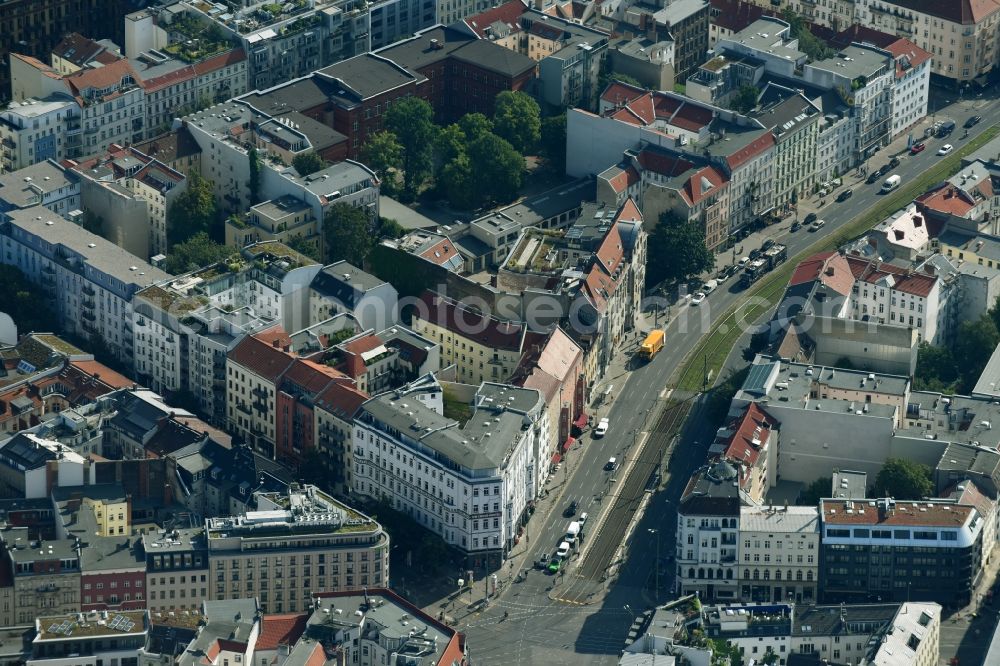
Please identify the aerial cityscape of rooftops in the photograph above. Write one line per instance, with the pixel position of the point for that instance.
(499, 332)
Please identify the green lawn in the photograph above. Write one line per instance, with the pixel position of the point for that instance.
(757, 300)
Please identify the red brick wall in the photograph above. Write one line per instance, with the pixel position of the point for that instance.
(136, 585)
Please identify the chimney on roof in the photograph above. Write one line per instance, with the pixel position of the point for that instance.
(275, 344)
(830, 271)
(436, 45)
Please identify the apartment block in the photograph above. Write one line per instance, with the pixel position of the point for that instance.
(779, 554)
(343, 288)
(176, 569)
(472, 482)
(894, 550)
(45, 184)
(46, 575)
(37, 130)
(90, 638)
(294, 546)
(90, 280)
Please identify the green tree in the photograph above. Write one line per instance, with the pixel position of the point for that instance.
(255, 167)
(412, 121)
(607, 76)
(815, 491)
(383, 154)
(194, 211)
(307, 246)
(974, 343)
(518, 119)
(198, 251)
(347, 234)
(903, 479)
(552, 145)
(458, 183)
(448, 144)
(307, 163)
(808, 42)
(995, 313)
(745, 100)
(676, 250)
(20, 299)
(475, 125)
(390, 228)
(499, 169)
(936, 369)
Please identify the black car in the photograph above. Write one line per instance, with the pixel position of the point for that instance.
(810, 218)
(795, 226)
(894, 162)
(884, 169)
(767, 245)
(873, 177)
(972, 122)
(571, 509)
(754, 254)
(845, 195)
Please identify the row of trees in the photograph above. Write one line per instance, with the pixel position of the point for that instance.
(899, 478)
(471, 163)
(957, 367)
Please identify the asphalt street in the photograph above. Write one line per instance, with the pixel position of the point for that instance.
(571, 618)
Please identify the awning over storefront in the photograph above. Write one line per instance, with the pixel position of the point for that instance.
(568, 443)
(581, 420)
(556, 457)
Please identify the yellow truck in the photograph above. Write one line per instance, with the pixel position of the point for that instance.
(652, 345)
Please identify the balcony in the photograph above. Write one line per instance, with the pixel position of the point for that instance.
(88, 290)
(88, 303)
(89, 316)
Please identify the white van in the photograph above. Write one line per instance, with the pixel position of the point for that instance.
(709, 286)
(891, 183)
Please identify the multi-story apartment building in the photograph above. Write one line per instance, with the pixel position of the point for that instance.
(795, 122)
(91, 280)
(686, 25)
(749, 442)
(779, 554)
(470, 483)
(76, 52)
(894, 295)
(481, 347)
(894, 550)
(294, 546)
(130, 193)
(33, 27)
(176, 569)
(961, 36)
(37, 130)
(861, 634)
(708, 523)
(341, 287)
(89, 639)
(44, 184)
(45, 574)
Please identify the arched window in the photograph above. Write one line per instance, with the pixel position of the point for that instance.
(767, 575)
(701, 573)
(756, 574)
(691, 572)
(746, 574)
(809, 575)
(711, 574)
(777, 575)
(798, 575)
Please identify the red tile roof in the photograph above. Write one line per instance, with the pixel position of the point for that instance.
(751, 150)
(627, 115)
(624, 180)
(342, 400)
(283, 629)
(966, 12)
(508, 13)
(694, 188)
(193, 71)
(103, 373)
(260, 358)
(906, 52)
(948, 199)
(629, 212)
(101, 77)
(440, 253)
(311, 376)
(663, 163)
(909, 282)
(931, 514)
(830, 268)
(751, 432)
(487, 331)
(734, 15)
(78, 49)
(621, 93)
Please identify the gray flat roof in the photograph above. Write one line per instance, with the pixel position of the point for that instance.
(550, 203)
(854, 61)
(407, 218)
(104, 256)
(282, 207)
(368, 75)
(334, 178)
(18, 188)
(988, 384)
(797, 519)
(679, 10)
(416, 53)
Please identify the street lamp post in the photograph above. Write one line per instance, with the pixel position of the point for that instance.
(657, 533)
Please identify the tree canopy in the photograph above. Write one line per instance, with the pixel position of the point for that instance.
(194, 211)
(306, 246)
(745, 99)
(308, 163)
(412, 121)
(903, 479)
(254, 159)
(384, 155)
(347, 234)
(518, 120)
(552, 145)
(808, 42)
(815, 491)
(197, 251)
(499, 169)
(475, 125)
(676, 250)
(19, 298)
(936, 369)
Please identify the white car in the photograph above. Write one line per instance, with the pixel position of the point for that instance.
(582, 519)
(945, 149)
(602, 428)
(697, 298)
(563, 551)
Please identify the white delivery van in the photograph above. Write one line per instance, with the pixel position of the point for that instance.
(891, 183)
(572, 532)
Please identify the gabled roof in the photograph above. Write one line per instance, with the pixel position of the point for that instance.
(625, 179)
(281, 629)
(871, 271)
(751, 150)
(100, 78)
(734, 15)
(703, 183)
(750, 434)
(342, 400)
(966, 12)
(830, 268)
(508, 14)
(263, 359)
(618, 93)
(79, 50)
(470, 324)
(664, 164)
